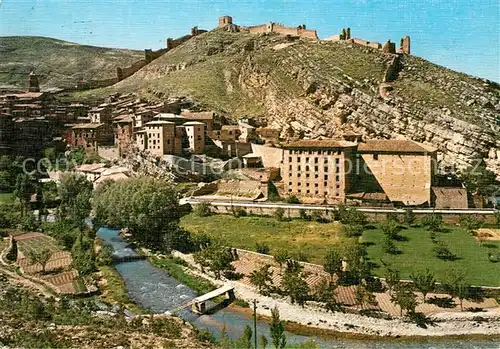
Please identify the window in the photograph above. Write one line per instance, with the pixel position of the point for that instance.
(308, 191)
(307, 175)
(316, 185)
(329, 152)
(339, 152)
(338, 186)
(298, 158)
(307, 168)
(316, 192)
(326, 160)
(326, 177)
(289, 183)
(337, 169)
(289, 190)
(289, 159)
(307, 159)
(337, 179)
(325, 184)
(298, 168)
(307, 184)
(375, 156)
(316, 176)
(298, 174)
(326, 168)
(326, 193)
(298, 191)
(337, 161)
(298, 184)
(315, 168)
(290, 174)
(315, 160)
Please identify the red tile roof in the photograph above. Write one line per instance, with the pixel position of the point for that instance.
(394, 146)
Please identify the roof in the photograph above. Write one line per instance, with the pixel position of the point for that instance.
(449, 192)
(319, 143)
(112, 177)
(160, 122)
(201, 115)
(394, 146)
(91, 167)
(86, 126)
(251, 156)
(192, 123)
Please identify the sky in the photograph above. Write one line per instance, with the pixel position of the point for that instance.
(462, 35)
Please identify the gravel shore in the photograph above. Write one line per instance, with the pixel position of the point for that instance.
(444, 324)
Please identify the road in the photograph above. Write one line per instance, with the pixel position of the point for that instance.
(252, 204)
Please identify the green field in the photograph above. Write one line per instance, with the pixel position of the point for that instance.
(417, 254)
(6, 198)
(310, 238)
(314, 239)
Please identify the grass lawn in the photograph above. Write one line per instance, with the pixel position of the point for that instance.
(417, 254)
(310, 238)
(6, 198)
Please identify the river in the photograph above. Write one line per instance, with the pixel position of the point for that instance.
(154, 289)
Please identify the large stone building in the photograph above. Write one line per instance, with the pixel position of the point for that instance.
(402, 169)
(318, 170)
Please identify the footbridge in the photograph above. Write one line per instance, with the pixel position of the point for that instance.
(198, 305)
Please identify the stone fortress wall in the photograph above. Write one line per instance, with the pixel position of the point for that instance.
(149, 56)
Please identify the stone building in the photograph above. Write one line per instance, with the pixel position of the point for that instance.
(318, 170)
(207, 117)
(195, 132)
(91, 135)
(402, 169)
(160, 137)
(123, 132)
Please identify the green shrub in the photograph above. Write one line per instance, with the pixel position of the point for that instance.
(262, 248)
(292, 199)
(203, 209)
(304, 215)
(279, 214)
(239, 212)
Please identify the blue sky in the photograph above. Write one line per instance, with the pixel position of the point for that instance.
(459, 34)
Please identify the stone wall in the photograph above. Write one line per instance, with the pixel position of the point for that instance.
(271, 156)
(279, 28)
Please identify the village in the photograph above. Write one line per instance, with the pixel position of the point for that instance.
(344, 234)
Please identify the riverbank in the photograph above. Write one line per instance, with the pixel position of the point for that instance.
(464, 325)
(114, 291)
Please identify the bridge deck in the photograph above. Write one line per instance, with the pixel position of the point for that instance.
(213, 294)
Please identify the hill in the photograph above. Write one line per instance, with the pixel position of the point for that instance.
(309, 89)
(57, 63)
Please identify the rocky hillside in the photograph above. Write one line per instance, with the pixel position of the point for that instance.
(58, 63)
(312, 89)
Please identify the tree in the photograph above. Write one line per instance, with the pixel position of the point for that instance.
(409, 217)
(39, 257)
(216, 257)
(263, 342)
(470, 223)
(478, 179)
(333, 263)
(390, 229)
(363, 297)
(433, 222)
(353, 230)
(106, 255)
(12, 253)
(325, 292)
(392, 279)
(149, 207)
(24, 188)
(424, 282)
(277, 330)
(75, 192)
(83, 253)
(443, 252)
(389, 246)
(294, 283)
(456, 285)
(245, 341)
(352, 216)
(357, 267)
(262, 278)
(405, 299)
(281, 257)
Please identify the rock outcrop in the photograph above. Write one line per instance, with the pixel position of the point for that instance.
(311, 89)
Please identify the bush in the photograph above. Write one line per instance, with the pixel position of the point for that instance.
(374, 285)
(12, 254)
(292, 199)
(433, 222)
(303, 215)
(353, 230)
(279, 214)
(389, 246)
(392, 217)
(262, 248)
(239, 212)
(203, 209)
(442, 252)
(409, 217)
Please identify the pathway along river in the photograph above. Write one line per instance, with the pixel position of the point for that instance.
(155, 289)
